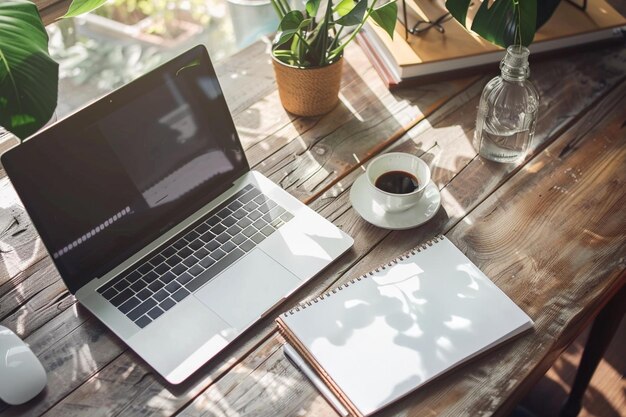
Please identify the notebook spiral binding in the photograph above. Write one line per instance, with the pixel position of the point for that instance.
(402, 257)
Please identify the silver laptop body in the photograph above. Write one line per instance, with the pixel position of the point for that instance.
(245, 249)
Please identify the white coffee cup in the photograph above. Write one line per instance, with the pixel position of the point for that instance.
(397, 161)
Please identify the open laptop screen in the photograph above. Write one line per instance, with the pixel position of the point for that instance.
(106, 181)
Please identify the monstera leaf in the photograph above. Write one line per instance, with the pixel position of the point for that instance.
(28, 76)
(505, 22)
(545, 9)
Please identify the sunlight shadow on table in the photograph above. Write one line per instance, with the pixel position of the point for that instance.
(367, 119)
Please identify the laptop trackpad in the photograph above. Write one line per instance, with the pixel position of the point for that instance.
(247, 289)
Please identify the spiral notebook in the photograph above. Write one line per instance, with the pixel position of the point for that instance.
(385, 334)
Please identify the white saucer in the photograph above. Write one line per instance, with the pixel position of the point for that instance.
(419, 214)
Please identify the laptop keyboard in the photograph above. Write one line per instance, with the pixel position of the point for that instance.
(153, 286)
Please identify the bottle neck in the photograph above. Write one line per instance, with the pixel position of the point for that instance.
(515, 74)
(514, 65)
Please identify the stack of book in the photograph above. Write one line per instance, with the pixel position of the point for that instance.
(434, 55)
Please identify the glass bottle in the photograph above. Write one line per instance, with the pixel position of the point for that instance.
(507, 112)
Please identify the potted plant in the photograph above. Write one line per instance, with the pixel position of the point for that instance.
(307, 53)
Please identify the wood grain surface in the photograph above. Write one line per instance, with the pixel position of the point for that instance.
(550, 232)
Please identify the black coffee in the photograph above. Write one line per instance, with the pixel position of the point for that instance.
(397, 182)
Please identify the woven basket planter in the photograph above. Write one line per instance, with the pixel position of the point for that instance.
(308, 91)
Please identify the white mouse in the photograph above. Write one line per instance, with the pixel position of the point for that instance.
(22, 376)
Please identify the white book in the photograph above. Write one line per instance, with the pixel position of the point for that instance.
(387, 333)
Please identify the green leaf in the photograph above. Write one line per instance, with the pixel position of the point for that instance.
(289, 26)
(385, 16)
(28, 76)
(354, 16)
(312, 6)
(79, 7)
(545, 9)
(344, 7)
(507, 22)
(499, 23)
(458, 9)
(320, 42)
(291, 21)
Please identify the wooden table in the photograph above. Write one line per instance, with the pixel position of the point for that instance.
(549, 232)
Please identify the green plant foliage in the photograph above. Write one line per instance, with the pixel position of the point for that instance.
(545, 9)
(289, 26)
(354, 16)
(344, 6)
(79, 7)
(505, 22)
(312, 38)
(385, 16)
(312, 6)
(458, 9)
(28, 76)
(319, 42)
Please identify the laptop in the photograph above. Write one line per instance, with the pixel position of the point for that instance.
(156, 223)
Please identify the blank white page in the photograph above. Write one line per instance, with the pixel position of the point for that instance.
(386, 335)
